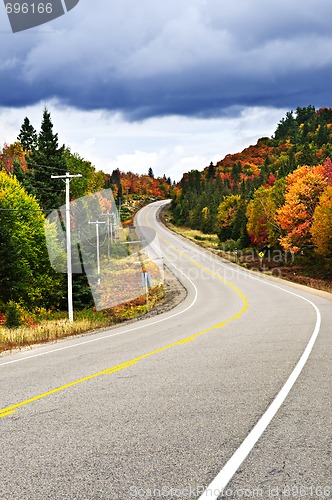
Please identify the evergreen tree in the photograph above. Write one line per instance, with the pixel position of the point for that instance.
(13, 318)
(27, 135)
(150, 173)
(291, 161)
(305, 132)
(219, 189)
(323, 135)
(305, 114)
(211, 171)
(265, 170)
(22, 176)
(46, 160)
(306, 155)
(116, 180)
(288, 127)
(236, 170)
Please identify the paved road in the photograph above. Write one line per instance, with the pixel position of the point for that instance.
(168, 406)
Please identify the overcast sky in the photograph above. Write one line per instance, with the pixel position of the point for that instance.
(169, 85)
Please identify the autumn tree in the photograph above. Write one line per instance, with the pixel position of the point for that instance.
(321, 229)
(304, 187)
(227, 215)
(10, 154)
(303, 137)
(262, 227)
(116, 181)
(25, 273)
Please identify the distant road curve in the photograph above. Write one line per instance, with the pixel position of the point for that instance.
(230, 390)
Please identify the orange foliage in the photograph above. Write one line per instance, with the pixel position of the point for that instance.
(321, 229)
(254, 155)
(304, 187)
(142, 185)
(10, 153)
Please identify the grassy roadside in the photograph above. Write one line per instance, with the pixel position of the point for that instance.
(45, 327)
(305, 270)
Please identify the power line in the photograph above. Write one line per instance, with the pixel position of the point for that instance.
(33, 165)
(25, 210)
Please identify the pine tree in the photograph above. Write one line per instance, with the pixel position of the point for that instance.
(22, 176)
(323, 135)
(306, 155)
(27, 135)
(13, 318)
(116, 180)
(150, 173)
(211, 171)
(46, 160)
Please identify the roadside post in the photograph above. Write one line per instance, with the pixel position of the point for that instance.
(261, 255)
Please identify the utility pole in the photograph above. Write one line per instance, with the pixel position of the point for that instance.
(119, 209)
(114, 227)
(67, 178)
(97, 222)
(109, 232)
(111, 229)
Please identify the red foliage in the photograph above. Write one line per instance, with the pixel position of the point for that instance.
(328, 170)
(10, 153)
(271, 180)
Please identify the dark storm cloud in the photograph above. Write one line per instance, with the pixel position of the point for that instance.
(187, 57)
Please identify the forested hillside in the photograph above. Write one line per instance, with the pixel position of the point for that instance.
(28, 195)
(275, 194)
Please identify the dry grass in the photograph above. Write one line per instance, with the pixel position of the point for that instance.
(45, 331)
(210, 241)
(54, 329)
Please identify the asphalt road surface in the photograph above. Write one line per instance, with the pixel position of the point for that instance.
(226, 396)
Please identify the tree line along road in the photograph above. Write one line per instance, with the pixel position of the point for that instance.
(228, 393)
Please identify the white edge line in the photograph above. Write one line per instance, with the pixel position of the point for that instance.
(219, 483)
(97, 339)
(216, 487)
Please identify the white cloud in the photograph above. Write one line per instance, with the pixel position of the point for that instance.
(170, 145)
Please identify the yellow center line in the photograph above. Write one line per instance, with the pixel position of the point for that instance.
(9, 410)
(215, 275)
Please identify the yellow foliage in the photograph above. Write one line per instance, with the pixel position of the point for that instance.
(321, 229)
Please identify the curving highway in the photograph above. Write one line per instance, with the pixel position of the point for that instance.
(226, 396)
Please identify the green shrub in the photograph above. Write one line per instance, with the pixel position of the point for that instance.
(230, 245)
(13, 316)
